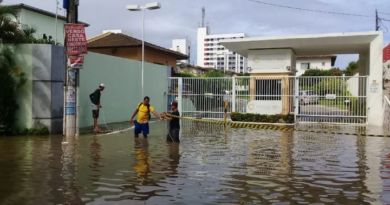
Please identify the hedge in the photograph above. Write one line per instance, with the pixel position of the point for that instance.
(248, 117)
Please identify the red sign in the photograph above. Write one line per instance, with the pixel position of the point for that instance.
(76, 61)
(75, 39)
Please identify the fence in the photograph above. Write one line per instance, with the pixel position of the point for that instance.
(386, 120)
(329, 99)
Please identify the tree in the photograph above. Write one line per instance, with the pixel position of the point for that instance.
(214, 74)
(352, 68)
(9, 30)
(11, 78)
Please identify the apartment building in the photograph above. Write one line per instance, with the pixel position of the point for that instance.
(211, 54)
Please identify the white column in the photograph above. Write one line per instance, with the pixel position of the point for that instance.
(180, 95)
(296, 98)
(375, 88)
(233, 94)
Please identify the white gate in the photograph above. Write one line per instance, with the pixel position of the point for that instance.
(330, 99)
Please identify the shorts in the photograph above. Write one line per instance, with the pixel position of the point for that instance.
(173, 135)
(138, 128)
(95, 113)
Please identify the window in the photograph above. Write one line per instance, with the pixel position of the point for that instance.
(268, 89)
(305, 66)
(323, 63)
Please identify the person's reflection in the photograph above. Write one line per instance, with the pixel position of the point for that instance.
(141, 166)
(174, 157)
(95, 149)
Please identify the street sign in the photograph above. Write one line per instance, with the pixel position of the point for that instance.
(330, 96)
(75, 39)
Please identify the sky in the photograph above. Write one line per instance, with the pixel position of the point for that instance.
(181, 18)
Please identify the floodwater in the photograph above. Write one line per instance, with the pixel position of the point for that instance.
(210, 166)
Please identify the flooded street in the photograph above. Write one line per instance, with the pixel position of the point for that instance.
(209, 166)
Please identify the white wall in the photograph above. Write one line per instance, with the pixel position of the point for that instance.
(353, 85)
(181, 46)
(375, 91)
(202, 32)
(271, 60)
(315, 63)
(43, 24)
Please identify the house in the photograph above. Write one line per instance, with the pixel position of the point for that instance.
(321, 62)
(272, 62)
(124, 46)
(44, 22)
(386, 62)
(197, 70)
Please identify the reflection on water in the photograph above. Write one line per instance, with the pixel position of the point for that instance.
(211, 165)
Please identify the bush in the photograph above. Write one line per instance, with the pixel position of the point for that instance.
(318, 72)
(249, 117)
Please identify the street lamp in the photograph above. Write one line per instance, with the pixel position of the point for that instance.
(135, 7)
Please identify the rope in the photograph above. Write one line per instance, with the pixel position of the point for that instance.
(270, 126)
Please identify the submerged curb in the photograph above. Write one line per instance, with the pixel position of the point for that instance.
(273, 126)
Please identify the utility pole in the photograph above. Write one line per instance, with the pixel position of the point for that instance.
(376, 20)
(72, 82)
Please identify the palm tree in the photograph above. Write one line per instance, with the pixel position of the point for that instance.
(9, 30)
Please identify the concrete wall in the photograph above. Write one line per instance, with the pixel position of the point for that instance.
(353, 85)
(43, 24)
(41, 97)
(122, 78)
(375, 84)
(271, 60)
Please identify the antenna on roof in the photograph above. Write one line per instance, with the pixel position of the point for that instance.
(203, 16)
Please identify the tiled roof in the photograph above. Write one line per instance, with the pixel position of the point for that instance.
(116, 40)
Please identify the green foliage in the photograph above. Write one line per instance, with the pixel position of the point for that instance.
(11, 33)
(357, 106)
(35, 131)
(248, 117)
(318, 72)
(336, 86)
(214, 74)
(351, 69)
(184, 75)
(11, 78)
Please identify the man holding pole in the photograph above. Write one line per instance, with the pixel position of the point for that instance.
(95, 100)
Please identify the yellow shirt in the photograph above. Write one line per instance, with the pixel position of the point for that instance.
(142, 115)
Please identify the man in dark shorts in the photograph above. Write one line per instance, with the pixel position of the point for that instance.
(174, 123)
(95, 104)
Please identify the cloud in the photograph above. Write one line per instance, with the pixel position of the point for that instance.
(180, 18)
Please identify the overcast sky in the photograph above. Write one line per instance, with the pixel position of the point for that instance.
(180, 18)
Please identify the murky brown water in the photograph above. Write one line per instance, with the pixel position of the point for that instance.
(210, 166)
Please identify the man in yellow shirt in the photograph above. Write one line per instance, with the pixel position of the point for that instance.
(143, 117)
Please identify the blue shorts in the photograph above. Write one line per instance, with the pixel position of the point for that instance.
(144, 128)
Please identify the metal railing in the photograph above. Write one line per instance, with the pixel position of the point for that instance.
(330, 99)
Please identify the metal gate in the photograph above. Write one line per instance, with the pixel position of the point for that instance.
(329, 99)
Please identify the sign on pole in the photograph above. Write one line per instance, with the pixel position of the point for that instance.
(76, 44)
(75, 39)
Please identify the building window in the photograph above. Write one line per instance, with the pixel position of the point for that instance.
(305, 66)
(323, 63)
(268, 89)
